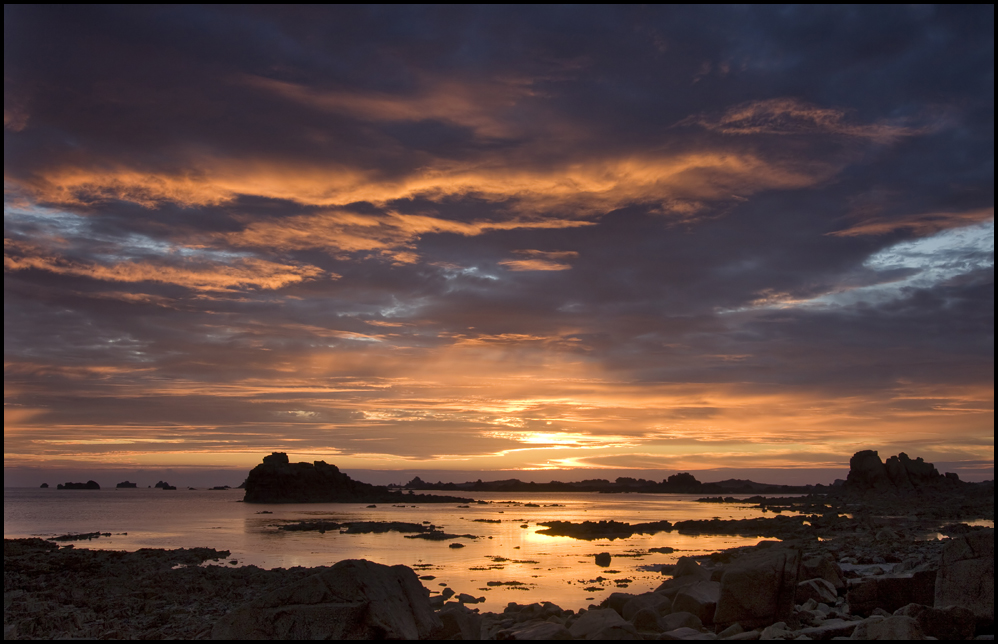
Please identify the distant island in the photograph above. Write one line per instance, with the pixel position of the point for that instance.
(683, 483)
(277, 480)
(89, 485)
(126, 485)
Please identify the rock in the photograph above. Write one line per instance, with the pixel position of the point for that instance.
(681, 634)
(951, 623)
(9, 632)
(688, 572)
(891, 628)
(893, 592)
(818, 590)
(89, 485)
(456, 546)
(595, 621)
(617, 602)
(458, 620)
(759, 588)
(823, 566)
(277, 480)
(867, 473)
(465, 598)
(829, 630)
(887, 536)
(731, 631)
(646, 620)
(967, 576)
(778, 631)
(649, 601)
(603, 560)
(535, 630)
(677, 621)
(700, 600)
(352, 600)
(616, 633)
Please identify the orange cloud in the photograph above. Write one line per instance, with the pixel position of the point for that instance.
(539, 260)
(580, 188)
(792, 116)
(390, 234)
(199, 276)
(922, 225)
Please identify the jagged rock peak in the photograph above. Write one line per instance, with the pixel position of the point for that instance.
(867, 473)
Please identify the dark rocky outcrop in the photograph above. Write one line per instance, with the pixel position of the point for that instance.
(126, 485)
(89, 485)
(277, 480)
(900, 475)
(45, 486)
(163, 485)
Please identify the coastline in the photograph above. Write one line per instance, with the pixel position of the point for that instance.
(53, 592)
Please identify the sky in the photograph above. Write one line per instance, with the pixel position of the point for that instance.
(489, 239)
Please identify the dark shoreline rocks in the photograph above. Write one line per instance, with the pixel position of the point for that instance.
(775, 590)
(277, 480)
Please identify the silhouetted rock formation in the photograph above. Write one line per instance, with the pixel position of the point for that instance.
(89, 485)
(683, 483)
(45, 486)
(901, 474)
(163, 485)
(127, 486)
(277, 480)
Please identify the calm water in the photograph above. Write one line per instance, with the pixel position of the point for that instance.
(557, 569)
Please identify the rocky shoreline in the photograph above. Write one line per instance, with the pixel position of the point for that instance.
(870, 585)
(866, 564)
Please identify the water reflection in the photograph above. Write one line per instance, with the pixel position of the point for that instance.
(507, 562)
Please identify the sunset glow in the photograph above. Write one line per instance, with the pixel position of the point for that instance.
(617, 240)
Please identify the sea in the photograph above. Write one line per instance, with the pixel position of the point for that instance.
(509, 561)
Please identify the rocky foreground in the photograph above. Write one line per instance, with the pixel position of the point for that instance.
(799, 590)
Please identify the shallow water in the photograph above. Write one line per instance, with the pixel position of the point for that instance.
(557, 569)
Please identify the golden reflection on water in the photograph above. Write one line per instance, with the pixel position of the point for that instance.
(556, 569)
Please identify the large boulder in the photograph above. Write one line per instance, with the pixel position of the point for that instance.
(687, 573)
(759, 588)
(952, 623)
(967, 575)
(534, 631)
(352, 600)
(823, 566)
(821, 591)
(699, 599)
(649, 601)
(596, 621)
(892, 628)
(892, 593)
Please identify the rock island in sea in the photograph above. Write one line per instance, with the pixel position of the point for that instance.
(277, 480)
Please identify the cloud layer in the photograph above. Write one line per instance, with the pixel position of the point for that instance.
(476, 238)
